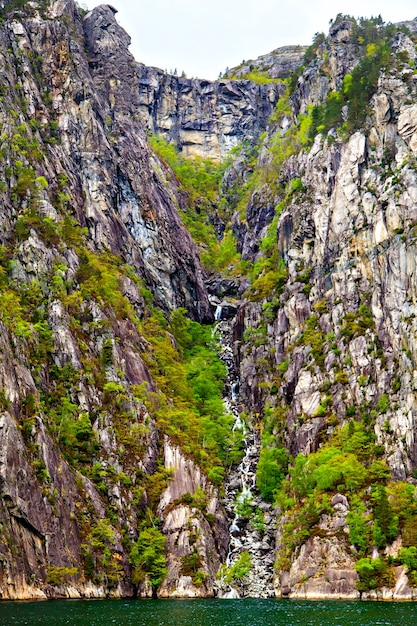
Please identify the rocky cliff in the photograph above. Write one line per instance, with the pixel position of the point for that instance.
(201, 117)
(280, 63)
(92, 243)
(134, 460)
(327, 355)
(204, 118)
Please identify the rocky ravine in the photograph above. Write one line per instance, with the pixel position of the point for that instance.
(247, 534)
(94, 259)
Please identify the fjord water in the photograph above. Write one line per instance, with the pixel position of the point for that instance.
(250, 612)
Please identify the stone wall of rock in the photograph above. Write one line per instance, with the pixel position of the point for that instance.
(200, 529)
(348, 242)
(200, 117)
(81, 179)
(353, 227)
(279, 63)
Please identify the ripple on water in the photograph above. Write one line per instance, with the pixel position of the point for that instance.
(249, 612)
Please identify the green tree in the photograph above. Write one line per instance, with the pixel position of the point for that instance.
(148, 558)
(271, 470)
(386, 523)
(240, 569)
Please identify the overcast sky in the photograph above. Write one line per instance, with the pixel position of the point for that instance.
(203, 37)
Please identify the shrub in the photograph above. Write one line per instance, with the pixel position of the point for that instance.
(271, 471)
(373, 573)
(147, 558)
(386, 523)
(408, 557)
(240, 569)
(58, 575)
(359, 529)
(190, 563)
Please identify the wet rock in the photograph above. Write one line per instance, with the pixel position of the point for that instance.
(233, 594)
(222, 287)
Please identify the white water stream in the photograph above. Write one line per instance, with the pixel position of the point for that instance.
(240, 485)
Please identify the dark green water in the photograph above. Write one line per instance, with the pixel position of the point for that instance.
(207, 613)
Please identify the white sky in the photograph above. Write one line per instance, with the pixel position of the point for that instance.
(203, 37)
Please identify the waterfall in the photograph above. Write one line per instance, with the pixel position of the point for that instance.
(218, 313)
(241, 500)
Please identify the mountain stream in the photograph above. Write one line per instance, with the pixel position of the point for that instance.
(252, 522)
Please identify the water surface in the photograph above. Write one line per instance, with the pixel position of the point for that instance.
(250, 612)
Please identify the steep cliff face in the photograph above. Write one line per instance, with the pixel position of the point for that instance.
(100, 156)
(92, 248)
(346, 233)
(204, 118)
(328, 351)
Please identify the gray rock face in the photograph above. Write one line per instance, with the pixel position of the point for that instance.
(70, 84)
(190, 528)
(144, 204)
(279, 63)
(348, 241)
(327, 71)
(322, 569)
(204, 118)
(347, 232)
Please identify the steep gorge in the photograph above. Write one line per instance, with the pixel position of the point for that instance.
(122, 471)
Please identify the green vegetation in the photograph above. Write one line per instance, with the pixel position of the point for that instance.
(22, 5)
(237, 572)
(102, 561)
(147, 558)
(58, 575)
(408, 557)
(191, 565)
(373, 573)
(259, 77)
(291, 135)
(200, 179)
(358, 87)
(271, 470)
(380, 509)
(194, 415)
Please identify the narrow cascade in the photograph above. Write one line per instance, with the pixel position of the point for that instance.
(252, 521)
(218, 313)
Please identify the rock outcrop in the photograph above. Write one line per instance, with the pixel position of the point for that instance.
(196, 529)
(204, 118)
(279, 63)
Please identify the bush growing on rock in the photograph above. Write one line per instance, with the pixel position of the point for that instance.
(147, 558)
